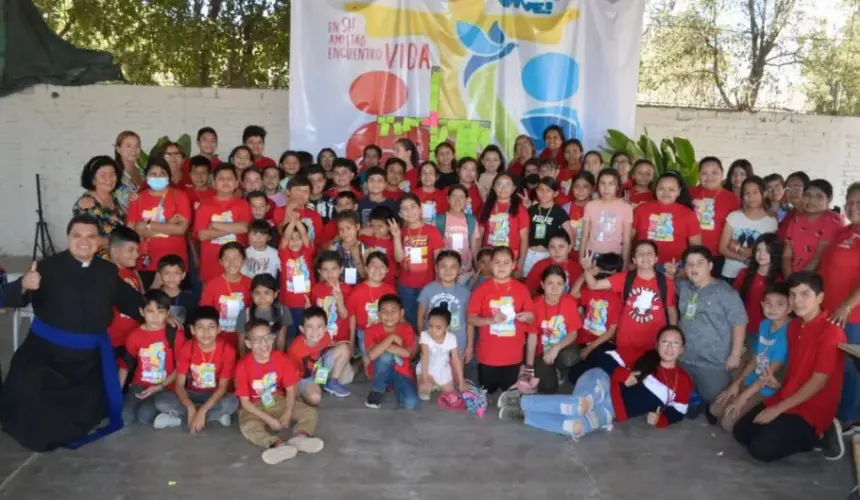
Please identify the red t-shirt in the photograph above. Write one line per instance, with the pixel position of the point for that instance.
(643, 314)
(436, 201)
(410, 181)
(503, 229)
(565, 181)
(386, 246)
(261, 381)
(813, 348)
(203, 370)
(753, 297)
(669, 226)
(474, 202)
(558, 157)
(215, 210)
(230, 299)
(419, 248)
(805, 235)
(712, 209)
(321, 295)
(392, 194)
(601, 311)
(297, 277)
(263, 162)
(554, 323)
(636, 198)
(577, 218)
(363, 303)
(840, 270)
(376, 334)
(304, 357)
(154, 356)
(515, 167)
(328, 234)
(160, 208)
(571, 266)
(501, 344)
(186, 170)
(311, 218)
(122, 325)
(333, 192)
(195, 197)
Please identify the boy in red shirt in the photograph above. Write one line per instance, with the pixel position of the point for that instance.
(198, 190)
(123, 249)
(363, 302)
(390, 346)
(296, 255)
(804, 408)
(394, 170)
(207, 143)
(219, 220)
(229, 293)
(320, 361)
(266, 387)
(254, 136)
(298, 195)
(343, 171)
(377, 237)
(330, 294)
(345, 201)
(204, 372)
(149, 358)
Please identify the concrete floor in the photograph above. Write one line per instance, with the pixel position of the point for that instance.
(429, 454)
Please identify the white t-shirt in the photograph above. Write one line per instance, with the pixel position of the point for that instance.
(439, 364)
(746, 231)
(260, 262)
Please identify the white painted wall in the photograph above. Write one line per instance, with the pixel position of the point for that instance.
(55, 130)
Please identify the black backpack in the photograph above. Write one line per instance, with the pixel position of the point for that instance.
(661, 289)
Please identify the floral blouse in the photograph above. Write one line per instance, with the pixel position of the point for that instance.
(108, 219)
(127, 188)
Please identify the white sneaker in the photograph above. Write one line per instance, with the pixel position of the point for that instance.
(306, 444)
(278, 454)
(225, 420)
(166, 421)
(511, 397)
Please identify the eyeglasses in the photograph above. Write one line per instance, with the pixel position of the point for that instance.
(266, 339)
(670, 343)
(505, 185)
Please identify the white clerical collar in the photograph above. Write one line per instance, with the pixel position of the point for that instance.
(86, 264)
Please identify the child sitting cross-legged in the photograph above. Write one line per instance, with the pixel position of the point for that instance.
(204, 372)
(319, 360)
(266, 382)
(441, 366)
(390, 345)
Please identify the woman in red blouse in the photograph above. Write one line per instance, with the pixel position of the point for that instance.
(808, 234)
(524, 150)
(553, 138)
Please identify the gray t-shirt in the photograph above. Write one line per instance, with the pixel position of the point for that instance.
(707, 316)
(457, 298)
(276, 314)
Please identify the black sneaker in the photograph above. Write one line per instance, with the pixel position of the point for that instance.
(832, 443)
(374, 400)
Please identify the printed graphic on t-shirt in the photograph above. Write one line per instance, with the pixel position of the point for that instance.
(329, 305)
(372, 310)
(576, 225)
(642, 304)
(500, 230)
(566, 185)
(705, 211)
(265, 388)
(405, 185)
(203, 376)
(420, 242)
(552, 331)
(297, 267)
(469, 206)
(309, 224)
(508, 328)
(595, 319)
(152, 363)
(607, 224)
(224, 217)
(428, 212)
(661, 227)
(746, 237)
(849, 241)
(762, 359)
(257, 265)
(454, 307)
(154, 215)
(230, 306)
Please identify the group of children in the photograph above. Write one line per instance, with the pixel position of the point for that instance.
(423, 276)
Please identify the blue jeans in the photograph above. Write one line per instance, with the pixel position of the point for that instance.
(385, 376)
(168, 402)
(849, 406)
(327, 360)
(409, 297)
(293, 330)
(587, 409)
(138, 410)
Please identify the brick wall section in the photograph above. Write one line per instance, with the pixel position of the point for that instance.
(54, 130)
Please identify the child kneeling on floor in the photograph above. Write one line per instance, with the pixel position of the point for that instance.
(441, 366)
(204, 372)
(266, 382)
(655, 386)
(319, 362)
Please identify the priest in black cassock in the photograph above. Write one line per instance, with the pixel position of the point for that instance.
(63, 380)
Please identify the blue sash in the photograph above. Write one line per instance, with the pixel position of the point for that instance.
(110, 378)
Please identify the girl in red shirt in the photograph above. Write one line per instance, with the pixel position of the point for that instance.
(433, 200)
(467, 170)
(330, 294)
(642, 188)
(407, 151)
(752, 281)
(501, 309)
(491, 163)
(229, 293)
(553, 139)
(552, 348)
(524, 150)
(296, 255)
(572, 156)
(712, 204)
(593, 162)
(415, 247)
(809, 234)
(504, 221)
(363, 302)
(670, 221)
(582, 190)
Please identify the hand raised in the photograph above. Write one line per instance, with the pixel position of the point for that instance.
(32, 279)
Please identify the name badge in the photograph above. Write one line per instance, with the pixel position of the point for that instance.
(690, 312)
(321, 374)
(457, 241)
(300, 284)
(540, 231)
(415, 255)
(351, 275)
(428, 212)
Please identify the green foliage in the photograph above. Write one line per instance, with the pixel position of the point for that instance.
(192, 43)
(184, 143)
(832, 71)
(676, 154)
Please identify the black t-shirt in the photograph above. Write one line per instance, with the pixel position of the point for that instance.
(323, 206)
(365, 206)
(549, 219)
(446, 180)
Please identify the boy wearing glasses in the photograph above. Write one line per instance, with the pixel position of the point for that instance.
(266, 387)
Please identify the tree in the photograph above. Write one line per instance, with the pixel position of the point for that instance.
(192, 43)
(833, 71)
(719, 52)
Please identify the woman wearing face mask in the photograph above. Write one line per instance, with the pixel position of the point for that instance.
(161, 215)
(100, 178)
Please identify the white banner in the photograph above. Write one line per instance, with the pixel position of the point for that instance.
(470, 71)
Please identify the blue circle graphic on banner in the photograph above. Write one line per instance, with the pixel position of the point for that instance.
(551, 77)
